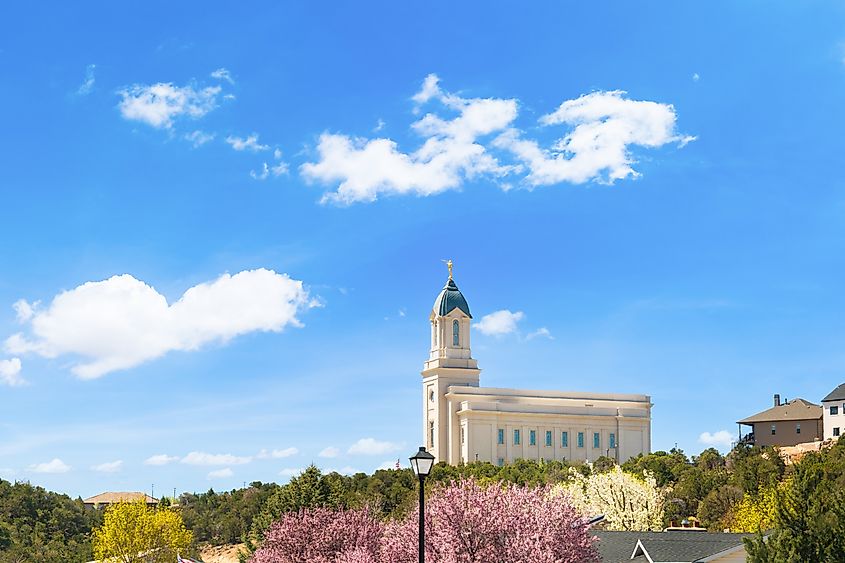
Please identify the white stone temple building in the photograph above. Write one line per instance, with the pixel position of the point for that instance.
(464, 422)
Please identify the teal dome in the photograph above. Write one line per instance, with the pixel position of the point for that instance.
(450, 298)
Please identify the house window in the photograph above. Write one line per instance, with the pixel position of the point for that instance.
(501, 462)
(564, 439)
(501, 436)
(612, 440)
(431, 434)
(836, 431)
(516, 437)
(532, 437)
(774, 429)
(580, 439)
(834, 410)
(548, 438)
(797, 427)
(456, 333)
(596, 440)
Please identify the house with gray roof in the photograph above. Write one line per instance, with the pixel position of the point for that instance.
(670, 546)
(784, 424)
(834, 417)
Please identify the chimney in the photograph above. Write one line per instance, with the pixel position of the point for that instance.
(777, 399)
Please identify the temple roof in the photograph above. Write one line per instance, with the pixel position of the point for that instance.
(450, 298)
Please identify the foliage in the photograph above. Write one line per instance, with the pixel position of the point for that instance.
(754, 468)
(755, 512)
(714, 510)
(224, 518)
(321, 535)
(43, 527)
(466, 522)
(132, 532)
(627, 502)
(809, 522)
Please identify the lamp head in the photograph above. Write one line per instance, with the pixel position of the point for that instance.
(421, 462)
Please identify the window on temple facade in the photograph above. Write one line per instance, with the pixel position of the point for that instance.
(456, 333)
(564, 439)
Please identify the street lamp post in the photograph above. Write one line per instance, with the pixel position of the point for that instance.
(421, 462)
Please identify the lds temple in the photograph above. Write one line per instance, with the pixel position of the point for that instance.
(464, 422)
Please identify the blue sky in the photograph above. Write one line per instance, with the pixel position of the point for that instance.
(652, 193)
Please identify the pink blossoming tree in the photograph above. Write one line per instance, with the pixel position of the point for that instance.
(465, 523)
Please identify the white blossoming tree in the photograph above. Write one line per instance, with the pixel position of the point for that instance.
(628, 502)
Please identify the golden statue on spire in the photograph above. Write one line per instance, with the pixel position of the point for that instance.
(448, 265)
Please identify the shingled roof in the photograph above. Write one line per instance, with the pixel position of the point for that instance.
(110, 498)
(796, 409)
(837, 394)
(659, 547)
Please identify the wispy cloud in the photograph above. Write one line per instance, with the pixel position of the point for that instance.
(220, 473)
(277, 454)
(223, 74)
(10, 372)
(199, 138)
(158, 105)
(108, 467)
(541, 332)
(329, 452)
(161, 459)
(203, 458)
(449, 154)
(721, 438)
(371, 446)
(87, 85)
(122, 322)
(467, 138)
(250, 143)
(56, 465)
(499, 323)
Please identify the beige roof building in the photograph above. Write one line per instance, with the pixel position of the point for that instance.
(105, 499)
(784, 424)
(464, 422)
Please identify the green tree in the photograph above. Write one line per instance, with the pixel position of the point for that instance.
(809, 521)
(132, 532)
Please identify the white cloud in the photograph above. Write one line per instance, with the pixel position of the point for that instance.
(329, 452)
(10, 372)
(371, 446)
(54, 466)
(695, 77)
(88, 85)
(389, 464)
(220, 473)
(202, 458)
(721, 438)
(541, 332)
(499, 323)
(277, 454)
(290, 472)
(24, 310)
(267, 170)
(6, 472)
(223, 74)
(380, 124)
(449, 154)
(430, 89)
(199, 138)
(108, 467)
(159, 104)
(604, 127)
(161, 459)
(122, 322)
(249, 144)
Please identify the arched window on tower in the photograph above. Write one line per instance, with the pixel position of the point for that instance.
(456, 333)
